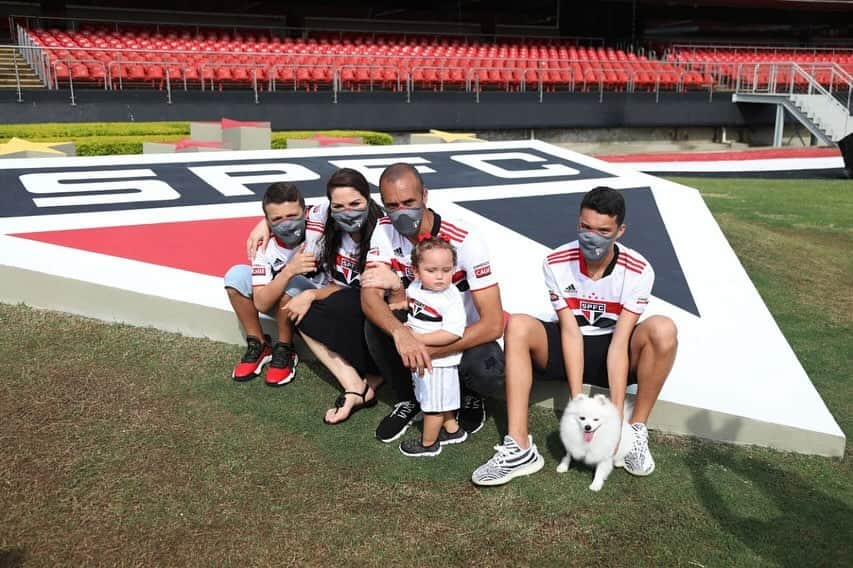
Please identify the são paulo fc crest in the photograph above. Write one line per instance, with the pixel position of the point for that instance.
(592, 310)
(423, 312)
(347, 268)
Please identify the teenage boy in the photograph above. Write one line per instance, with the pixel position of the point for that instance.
(598, 288)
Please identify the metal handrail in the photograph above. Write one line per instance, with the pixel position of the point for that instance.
(164, 64)
(17, 77)
(338, 71)
(68, 63)
(253, 66)
(756, 48)
(272, 73)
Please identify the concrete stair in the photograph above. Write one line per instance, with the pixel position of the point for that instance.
(9, 58)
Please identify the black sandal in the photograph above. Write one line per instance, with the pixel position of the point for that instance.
(342, 400)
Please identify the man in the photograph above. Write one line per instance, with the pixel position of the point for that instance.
(392, 345)
(598, 289)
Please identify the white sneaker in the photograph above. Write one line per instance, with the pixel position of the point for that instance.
(509, 462)
(639, 460)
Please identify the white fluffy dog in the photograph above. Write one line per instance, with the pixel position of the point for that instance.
(590, 430)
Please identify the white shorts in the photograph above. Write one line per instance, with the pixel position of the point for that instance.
(438, 391)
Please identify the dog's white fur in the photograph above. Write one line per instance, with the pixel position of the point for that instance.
(599, 416)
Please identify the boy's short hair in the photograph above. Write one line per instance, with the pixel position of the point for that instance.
(606, 201)
(282, 192)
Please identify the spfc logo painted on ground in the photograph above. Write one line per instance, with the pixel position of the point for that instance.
(160, 231)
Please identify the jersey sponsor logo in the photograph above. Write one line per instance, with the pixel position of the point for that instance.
(482, 270)
(643, 300)
(423, 312)
(398, 251)
(259, 271)
(553, 295)
(592, 310)
(571, 290)
(277, 262)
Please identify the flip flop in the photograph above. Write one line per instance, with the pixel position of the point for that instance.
(342, 400)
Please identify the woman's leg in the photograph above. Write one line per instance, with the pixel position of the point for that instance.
(346, 375)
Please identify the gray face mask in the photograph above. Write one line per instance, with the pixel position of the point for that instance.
(350, 220)
(406, 220)
(290, 231)
(593, 246)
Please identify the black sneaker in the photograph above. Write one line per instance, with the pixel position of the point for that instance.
(258, 353)
(445, 437)
(398, 421)
(472, 415)
(282, 367)
(414, 449)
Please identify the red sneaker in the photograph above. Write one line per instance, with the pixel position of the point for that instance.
(258, 353)
(282, 368)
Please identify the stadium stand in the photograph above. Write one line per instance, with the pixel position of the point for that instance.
(218, 59)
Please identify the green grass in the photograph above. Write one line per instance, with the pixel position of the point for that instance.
(131, 446)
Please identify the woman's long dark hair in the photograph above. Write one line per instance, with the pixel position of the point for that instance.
(332, 235)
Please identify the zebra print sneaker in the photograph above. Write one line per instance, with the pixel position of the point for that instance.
(509, 462)
(639, 460)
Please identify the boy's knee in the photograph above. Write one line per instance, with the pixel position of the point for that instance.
(663, 334)
(518, 327)
(239, 279)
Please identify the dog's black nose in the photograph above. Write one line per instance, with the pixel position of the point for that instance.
(587, 427)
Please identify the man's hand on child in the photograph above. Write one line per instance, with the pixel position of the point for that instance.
(413, 352)
(257, 239)
(380, 275)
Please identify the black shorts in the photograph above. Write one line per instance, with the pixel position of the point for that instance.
(594, 358)
(338, 323)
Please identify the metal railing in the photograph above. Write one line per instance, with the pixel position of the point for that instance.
(830, 81)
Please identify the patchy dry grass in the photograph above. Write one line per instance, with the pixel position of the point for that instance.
(127, 446)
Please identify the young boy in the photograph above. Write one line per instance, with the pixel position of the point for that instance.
(598, 288)
(284, 268)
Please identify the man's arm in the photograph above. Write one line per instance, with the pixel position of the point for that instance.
(489, 328)
(571, 341)
(413, 353)
(617, 357)
(436, 338)
(258, 238)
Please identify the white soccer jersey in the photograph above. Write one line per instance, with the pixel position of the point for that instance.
(270, 260)
(473, 269)
(433, 311)
(596, 304)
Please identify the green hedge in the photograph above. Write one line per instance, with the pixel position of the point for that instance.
(56, 130)
(104, 139)
(279, 139)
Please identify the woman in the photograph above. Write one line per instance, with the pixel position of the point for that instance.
(330, 319)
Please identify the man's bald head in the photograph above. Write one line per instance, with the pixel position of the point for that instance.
(401, 172)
